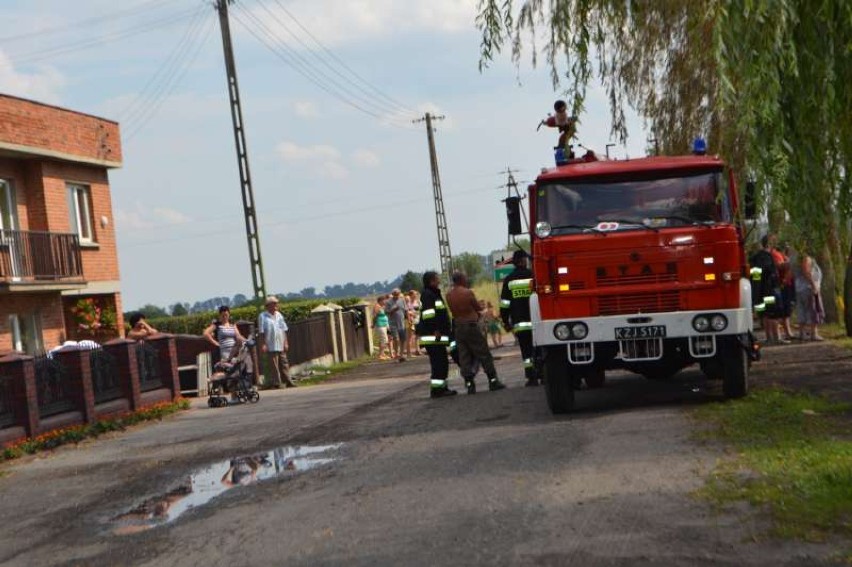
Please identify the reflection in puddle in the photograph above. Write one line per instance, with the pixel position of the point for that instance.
(203, 485)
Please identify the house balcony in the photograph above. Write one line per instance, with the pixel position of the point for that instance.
(39, 261)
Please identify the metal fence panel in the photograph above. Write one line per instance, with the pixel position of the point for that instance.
(52, 387)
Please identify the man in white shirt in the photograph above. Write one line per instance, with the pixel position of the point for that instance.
(272, 331)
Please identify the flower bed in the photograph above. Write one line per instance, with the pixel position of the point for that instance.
(77, 433)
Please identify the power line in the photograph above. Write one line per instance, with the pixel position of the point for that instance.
(163, 72)
(280, 52)
(149, 26)
(359, 79)
(302, 219)
(176, 78)
(74, 26)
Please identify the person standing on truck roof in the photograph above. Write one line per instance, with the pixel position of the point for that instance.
(434, 331)
(515, 311)
(567, 124)
(470, 340)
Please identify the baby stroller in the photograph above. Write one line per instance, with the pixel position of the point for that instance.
(234, 377)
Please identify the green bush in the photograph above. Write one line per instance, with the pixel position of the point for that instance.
(293, 311)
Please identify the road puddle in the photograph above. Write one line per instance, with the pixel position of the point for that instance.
(204, 484)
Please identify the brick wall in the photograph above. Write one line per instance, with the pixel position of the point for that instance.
(28, 123)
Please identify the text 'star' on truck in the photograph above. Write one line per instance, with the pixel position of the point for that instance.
(637, 264)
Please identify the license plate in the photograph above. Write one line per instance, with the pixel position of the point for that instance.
(644, 332)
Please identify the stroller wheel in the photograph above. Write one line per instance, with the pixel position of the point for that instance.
(254, 397)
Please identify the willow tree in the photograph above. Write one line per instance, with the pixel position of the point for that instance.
(765, 81)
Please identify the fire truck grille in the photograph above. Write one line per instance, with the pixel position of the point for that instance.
(637, 279)
(628, 304)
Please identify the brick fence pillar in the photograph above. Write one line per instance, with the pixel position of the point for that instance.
(167, 361)
(79, 366)
(124, 352)
(21, 371)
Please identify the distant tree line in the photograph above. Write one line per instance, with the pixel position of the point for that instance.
(476, 266)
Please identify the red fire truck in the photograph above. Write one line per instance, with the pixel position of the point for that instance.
(638, 264)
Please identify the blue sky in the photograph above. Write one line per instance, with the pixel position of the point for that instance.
(341, 194)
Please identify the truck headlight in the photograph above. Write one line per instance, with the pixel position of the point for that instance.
(718, 322)
(701, 323)
(562, 331)
(543, 229)
(579, 330)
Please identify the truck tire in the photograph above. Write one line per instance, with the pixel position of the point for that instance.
(558, 384)
(735, 365)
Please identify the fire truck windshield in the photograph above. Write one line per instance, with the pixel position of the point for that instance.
(634, 204)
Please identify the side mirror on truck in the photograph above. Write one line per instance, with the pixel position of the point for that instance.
(513, 215)
(750, 201)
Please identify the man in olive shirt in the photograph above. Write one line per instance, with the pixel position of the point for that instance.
(470, 340)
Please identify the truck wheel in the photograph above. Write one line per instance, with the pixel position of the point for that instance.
(734, 367)
(558, 384)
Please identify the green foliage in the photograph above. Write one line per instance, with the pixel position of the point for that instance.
(473, 265)
(195, 323)
(149, 311)
(411, 280)
(765, 81)
(179, 310)
(794, 456)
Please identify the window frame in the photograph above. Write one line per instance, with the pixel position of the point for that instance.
(80, 211)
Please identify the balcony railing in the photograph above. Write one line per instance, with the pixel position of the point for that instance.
(41, 256)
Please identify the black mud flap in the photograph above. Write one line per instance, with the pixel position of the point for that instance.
(751, 345)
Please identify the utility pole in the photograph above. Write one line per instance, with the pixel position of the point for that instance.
(440, 216)
(242, 153)
(512, 187)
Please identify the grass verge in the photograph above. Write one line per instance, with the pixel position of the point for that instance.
(793, 457)
(836, 332)
(77, 433)
(322, 373)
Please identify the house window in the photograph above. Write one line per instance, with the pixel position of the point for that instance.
(26, 333)
(80, 208)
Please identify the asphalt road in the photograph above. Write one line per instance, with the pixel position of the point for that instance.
(396, 479)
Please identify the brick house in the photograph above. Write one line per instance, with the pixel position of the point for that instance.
(57, 235)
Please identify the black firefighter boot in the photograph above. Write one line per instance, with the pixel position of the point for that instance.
(470, 385)
(442, 392)
(495, 384)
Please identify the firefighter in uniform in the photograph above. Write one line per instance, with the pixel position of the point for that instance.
(435, 331)
(515, 311)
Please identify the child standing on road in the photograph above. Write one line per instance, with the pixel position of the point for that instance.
(380, 323)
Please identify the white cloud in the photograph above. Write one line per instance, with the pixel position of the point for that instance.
(365, 158)
(290, 151)
(305, 109)
(140, 217)
(170, 216)
(43, 85)
(324, 160)
(337, 22)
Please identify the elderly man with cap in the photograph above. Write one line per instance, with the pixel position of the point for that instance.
(515, 311)
(272, 331)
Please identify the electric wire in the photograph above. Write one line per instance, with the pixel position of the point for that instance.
(175, 79)
(306, 73)
(303, 219)
(398, 107)
(125, 33)
(158, 82)
(301, 65)
(75, 26)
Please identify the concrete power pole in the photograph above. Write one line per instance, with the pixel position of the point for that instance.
(242, 153)
(440, 216)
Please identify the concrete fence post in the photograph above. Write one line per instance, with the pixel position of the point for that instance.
(366, 310)
(328, 312)
(341, 332)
